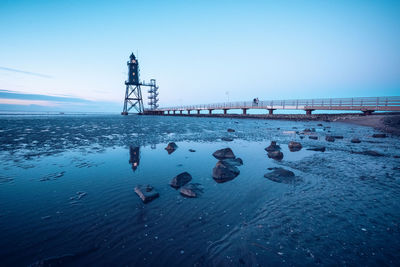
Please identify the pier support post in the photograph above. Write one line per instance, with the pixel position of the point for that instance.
(244, 111)
(225, 111)
(174, 111)
(309, 111)
(188, 111)
(198, 112)
(271, 111)
(367, 112)
(210, 112)
(181, 112)
(168, 112)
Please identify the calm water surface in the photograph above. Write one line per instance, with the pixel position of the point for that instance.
(67, 194)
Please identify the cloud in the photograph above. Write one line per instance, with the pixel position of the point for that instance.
(7, 94)
(17, 101)
(26, 72)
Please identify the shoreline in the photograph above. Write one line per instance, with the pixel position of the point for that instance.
(388, 122)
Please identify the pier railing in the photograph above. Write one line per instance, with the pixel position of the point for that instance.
(390, 103)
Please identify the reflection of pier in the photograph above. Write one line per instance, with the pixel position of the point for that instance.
(134, 157)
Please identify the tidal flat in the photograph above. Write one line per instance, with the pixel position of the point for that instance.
(67, 193)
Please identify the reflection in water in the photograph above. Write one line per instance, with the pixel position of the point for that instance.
(134, 153)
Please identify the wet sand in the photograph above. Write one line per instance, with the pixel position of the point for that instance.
(386, 123)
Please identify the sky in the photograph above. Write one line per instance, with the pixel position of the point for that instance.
(71, 55)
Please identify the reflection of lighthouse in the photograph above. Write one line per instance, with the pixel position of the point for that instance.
(134, 159)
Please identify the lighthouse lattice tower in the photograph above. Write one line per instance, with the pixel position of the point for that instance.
(133, 93)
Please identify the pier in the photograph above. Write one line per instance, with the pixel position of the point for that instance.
(367, 105)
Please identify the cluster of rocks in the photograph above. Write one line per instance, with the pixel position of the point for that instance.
(181, 182)
(274, 151)
(226, 167)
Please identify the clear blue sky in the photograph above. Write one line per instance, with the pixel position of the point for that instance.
(198, 50)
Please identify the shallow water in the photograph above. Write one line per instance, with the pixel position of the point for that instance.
(67, 194)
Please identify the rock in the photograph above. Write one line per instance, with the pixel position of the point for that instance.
(234, 162)
(307, 130)
(337, 136)
(231, 130)
(191, 190)
(313, 137)
(171, 147)
(192, 150)
(302, 137)
(330, 138)
(273, 147)
(370, 153)
(227, 139)
(277, 155)
(225, 153)
(320, 124)
(223, 172)
(355, 141)
(146, 193)
(379, 135)
(180, 180)
(320, 149)
(294, 146)
(396, 156)
(396, 168)
(281, 175)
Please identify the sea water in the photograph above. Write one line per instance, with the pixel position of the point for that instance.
(67, 194)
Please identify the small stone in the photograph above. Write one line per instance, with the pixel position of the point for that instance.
(320, 149)
(330, 138)
(281, 175)
(227, 139)
(171, 147)
(192, 150)
(146, 193)
(313, 137)
(276, 155)
(294, 146)
(234, 162)
(190, 190)
(180, 180)
(231, 130)
(272, 147)
(355, 141)
(379, 135)
(337, 136)
(225, 153)
(370, 153)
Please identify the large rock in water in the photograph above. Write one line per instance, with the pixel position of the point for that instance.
(191, 190)
(277, 155)
(225, 153)
(281, 175)
(294, 146)
(272, 147)
(223, 171)
(171, 147)
(146, 193)
(180, 180)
